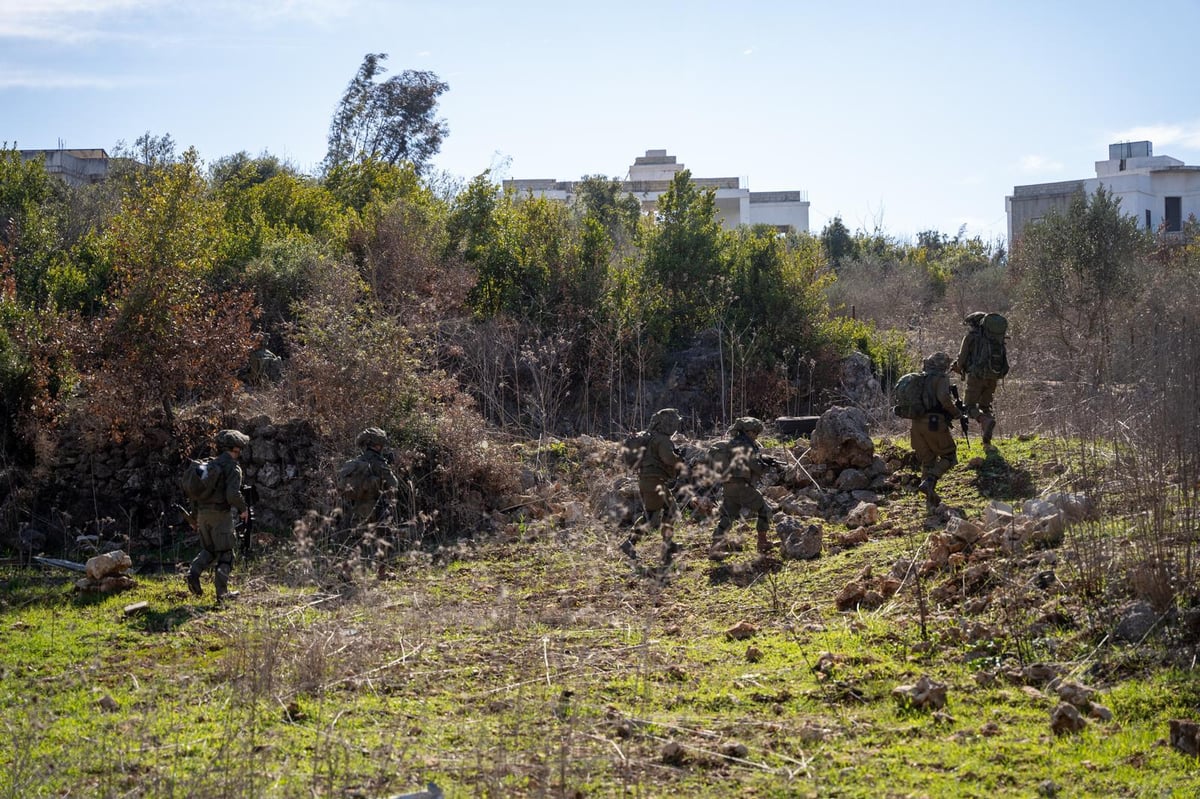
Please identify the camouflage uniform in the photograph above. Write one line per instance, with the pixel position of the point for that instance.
(376, 508)
(746, 466)
(980, 390)
(214, 521)
(930, 435)
(659, 465)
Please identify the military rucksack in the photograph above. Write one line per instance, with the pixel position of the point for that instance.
(910, 396)
(356, 482)
(633, 448)
(201, 480)
(988, 356)
(720, 458)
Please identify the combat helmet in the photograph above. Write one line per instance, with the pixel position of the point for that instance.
(372, 437)
(937, 363)
(746, 424)
(232, 439)
(665, 420)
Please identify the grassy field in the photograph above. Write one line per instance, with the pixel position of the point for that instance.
(540, 662)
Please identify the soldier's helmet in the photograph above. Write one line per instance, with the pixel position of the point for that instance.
(665, 420)
(974, 319)
(372, 437)
(231, 439)
(936, 364)
(746, 424)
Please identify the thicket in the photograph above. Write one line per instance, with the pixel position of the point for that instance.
(402, 301)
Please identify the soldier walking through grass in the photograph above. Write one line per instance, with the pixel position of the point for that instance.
(982, 361)
(740, 464)
(930, 435)
(658, 466)
(214, 520)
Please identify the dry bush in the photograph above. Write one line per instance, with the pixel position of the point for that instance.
(893, 295)
(163, 346)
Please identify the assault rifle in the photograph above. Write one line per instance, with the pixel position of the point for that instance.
(245, 529)
(964, 421)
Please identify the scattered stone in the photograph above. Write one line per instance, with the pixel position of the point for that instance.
(107, 564)
(753, 654)
(741, 631)
(990, 729)
(1048, 788)
(1185, 736)
(864, 514)
(1099, 712)
(1137, 620)
(851, 596)
(673, 753)
(854, 537)
(734, 749)
(799, 539)
(1066, 719)
(842, 439)
(1078, 695)
(812, 734)
(108, 704)
(925, 694)
(136, 608)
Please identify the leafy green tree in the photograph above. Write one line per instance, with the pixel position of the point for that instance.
(1079, 272)
(390, 121)
(837, 241)
(684, 259)
(32, 206)
(167, 335)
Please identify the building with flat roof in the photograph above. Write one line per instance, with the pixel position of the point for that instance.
(76, 167)
(651, 174)
(1160, 191)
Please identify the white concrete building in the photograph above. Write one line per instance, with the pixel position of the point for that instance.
(1160, 191)
(651, 175)
(76, 167)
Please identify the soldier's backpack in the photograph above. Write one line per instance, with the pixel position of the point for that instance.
(201, 480)
(910, 396)
(356, 482)
(988, 357)
(720, 459)
(633, 448)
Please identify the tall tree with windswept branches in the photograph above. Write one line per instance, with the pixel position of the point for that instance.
(390, 121)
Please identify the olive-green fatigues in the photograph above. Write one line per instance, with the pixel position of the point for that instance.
(658, 467)
(980, 390)
(375, 508)
(739, 493)
(930, 434)
(215, 523)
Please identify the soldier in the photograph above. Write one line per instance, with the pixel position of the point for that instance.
(930, 435)
(745, 466)
(214, 521)
(368, 482)
(982, 360)
(657, 467)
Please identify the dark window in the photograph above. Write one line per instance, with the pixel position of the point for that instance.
(1147, 219)
(1173, 214)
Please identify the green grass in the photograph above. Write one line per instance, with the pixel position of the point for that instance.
(543, 664)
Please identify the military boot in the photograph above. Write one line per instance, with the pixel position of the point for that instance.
(932, 500)
(627, 548)
(193, 584)
(764, 544)
(989, 425)
(221, 581)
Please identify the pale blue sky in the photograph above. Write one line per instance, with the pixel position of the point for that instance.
(905, 116)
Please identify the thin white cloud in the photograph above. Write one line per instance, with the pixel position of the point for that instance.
(748, 51)
(1039, 164)
(48, 80)
(70, 21)
(61, 20)
(1183, 135)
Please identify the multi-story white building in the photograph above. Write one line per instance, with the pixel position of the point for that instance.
(1160, 191)
(76, 167)
(651, 175)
